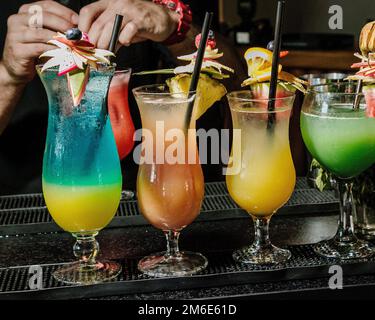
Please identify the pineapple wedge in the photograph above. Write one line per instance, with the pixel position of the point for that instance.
(209, 90)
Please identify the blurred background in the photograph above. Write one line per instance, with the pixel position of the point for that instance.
(306, 16)
(314, 46)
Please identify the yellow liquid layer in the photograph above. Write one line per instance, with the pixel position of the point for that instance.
(83, 208)
(267, 176)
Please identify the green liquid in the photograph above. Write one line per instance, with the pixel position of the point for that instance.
(342, 141)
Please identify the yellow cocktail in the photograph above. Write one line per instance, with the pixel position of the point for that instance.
(78, 209)
(266, 177)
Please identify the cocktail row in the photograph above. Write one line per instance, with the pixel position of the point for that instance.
(82, 178)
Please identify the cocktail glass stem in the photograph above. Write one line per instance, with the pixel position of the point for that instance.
(172, 262)
(172, 243)
(345, 232)
(262, 237)
(87, 270)
(345, 244)
(86, 250)
(261, 251)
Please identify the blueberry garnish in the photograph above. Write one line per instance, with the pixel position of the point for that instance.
(73, 34)
(270, 45)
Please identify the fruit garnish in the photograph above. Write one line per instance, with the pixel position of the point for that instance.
(210, 90)
(73, 34)
(259, 63)
(260, 92)
(258, 59)
(77, 81)
(209, 65)
(367, 39)
(366, 67)
(74, 58)
(369, 93)
(211, 42)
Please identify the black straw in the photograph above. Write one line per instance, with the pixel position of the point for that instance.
(275, 62)
(115, 32)
(198, 64)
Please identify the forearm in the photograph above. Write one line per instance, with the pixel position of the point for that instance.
(10, 94)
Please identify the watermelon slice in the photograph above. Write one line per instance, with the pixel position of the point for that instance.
(369, 93)
(77, 81)
(261, 91)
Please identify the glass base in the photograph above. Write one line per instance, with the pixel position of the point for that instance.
(127, 195)
(75, 273)
(183, 264)
(344, 250)
(255, 255)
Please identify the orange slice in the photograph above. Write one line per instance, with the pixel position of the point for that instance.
(258, 59)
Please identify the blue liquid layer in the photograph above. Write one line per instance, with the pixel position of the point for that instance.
(80, 148)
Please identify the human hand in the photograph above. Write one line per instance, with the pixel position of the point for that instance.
(25, 42)
(143, 20)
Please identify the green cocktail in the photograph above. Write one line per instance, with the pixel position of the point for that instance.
(341, 140)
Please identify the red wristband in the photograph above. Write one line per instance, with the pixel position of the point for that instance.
(186, 18)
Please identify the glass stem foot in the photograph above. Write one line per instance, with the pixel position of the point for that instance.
(345, 245)
(173, 262)
(87, 270)
(262, 251)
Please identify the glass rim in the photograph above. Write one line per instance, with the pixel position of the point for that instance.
(102, 67)
(124, 70)
(232, 95)
(141, 91)
(261, 110)
(314, 90)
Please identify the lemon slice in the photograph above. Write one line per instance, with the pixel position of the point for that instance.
(257, 59)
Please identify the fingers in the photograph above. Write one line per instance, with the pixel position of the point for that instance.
(54, 8)
(128, 33)
(27, 50)
(56, 23)
(138, 39)
(50, 21)
(89, 13)
(36, 36)
(103, 22)
(105, 37)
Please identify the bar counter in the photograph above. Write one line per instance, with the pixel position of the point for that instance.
(216, 233)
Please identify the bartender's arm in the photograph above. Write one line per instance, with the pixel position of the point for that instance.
(143, 20)
(23, 45)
